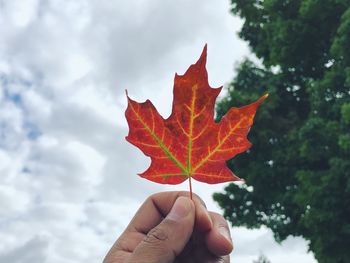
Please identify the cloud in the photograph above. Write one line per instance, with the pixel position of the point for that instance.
(31, 251)
(261, 241)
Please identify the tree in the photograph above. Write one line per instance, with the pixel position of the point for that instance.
(298, 171)
(262, 259)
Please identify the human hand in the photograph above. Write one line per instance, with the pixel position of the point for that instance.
(169, 227)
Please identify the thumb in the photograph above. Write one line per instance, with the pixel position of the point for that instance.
(164, 242)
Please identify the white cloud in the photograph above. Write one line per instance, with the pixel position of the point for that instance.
(249, 244)
(12, 200)
(68, 183)
(33, 250)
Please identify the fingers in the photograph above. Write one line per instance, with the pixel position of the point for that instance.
(218, 240)
(166, 240)
(157, 206)
(149, 215)
(151, 229)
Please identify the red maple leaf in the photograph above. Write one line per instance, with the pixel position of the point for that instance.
(189, 143)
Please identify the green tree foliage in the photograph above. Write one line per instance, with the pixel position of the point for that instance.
(298, 171)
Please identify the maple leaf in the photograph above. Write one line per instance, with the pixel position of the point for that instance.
(189, 143)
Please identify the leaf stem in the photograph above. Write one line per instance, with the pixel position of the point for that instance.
(190, 182)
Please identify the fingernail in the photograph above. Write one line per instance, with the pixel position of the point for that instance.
(225, 233)
(180, 209)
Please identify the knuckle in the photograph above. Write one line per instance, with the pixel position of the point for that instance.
(156, 235)
(215, 214)
(219, 219)
(223, 224)
(150, 198)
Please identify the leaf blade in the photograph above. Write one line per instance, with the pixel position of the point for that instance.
(189, 143)
(149, 132)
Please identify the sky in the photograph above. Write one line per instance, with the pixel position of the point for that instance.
(68, 178)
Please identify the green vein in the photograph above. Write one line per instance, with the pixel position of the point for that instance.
(160, 143)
